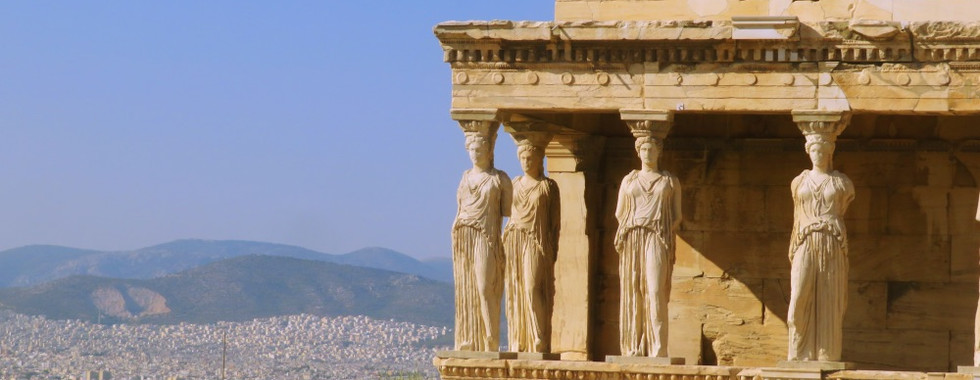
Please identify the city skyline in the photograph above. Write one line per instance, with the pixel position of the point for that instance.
(321, 125)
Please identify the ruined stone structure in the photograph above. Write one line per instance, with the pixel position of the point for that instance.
(737, 81)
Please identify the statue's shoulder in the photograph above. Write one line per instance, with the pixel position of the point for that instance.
(501, 175)
(799, 178)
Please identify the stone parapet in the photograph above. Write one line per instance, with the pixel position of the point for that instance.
(468, 369)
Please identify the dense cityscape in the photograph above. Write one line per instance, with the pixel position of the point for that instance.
(286, 347)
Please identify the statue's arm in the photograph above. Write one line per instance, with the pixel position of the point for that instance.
(622, 208)
(848, 194)
(506, 194)
(678, 216)
(796, 217)
(555, 208)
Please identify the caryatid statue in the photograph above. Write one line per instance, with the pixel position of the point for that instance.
(483, 199)
(531, 245)
(976, 326)
(649, 214)
(818, 243)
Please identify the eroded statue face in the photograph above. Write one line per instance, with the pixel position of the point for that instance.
(820, 155)
(479, 153)
(649, 153)
(531, 162)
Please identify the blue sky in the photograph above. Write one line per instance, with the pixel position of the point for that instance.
(323, 124)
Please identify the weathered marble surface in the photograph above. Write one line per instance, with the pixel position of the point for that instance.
(483, 199)
(531, 244)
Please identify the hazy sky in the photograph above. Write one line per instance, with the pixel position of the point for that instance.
(323, 124)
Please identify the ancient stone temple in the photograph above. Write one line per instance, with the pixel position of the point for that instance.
(828, 153)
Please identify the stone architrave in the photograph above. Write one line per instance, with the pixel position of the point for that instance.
(648, 210)
(818, 243)
(483, 199)
(530, 246)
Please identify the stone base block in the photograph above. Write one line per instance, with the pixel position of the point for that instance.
(970, 370)
(643, 360)
(825, 366)
(475, 355)
(533, 355)
(790, 373)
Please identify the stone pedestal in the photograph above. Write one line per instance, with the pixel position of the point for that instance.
(644, 360)
(974, 372)
(452, 354)
(533, 355)
(793, 370)
(817, 365)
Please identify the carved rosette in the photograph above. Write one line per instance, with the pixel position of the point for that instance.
(648, 123)
(826, 125)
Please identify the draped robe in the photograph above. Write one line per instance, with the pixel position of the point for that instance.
(818, 253)
(645, 243)
(530, 244)
(483, 200)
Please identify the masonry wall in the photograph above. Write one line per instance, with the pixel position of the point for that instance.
(913, 239)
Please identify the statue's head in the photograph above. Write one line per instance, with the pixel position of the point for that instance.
(531, 157)
(648, 148)
(479, 148)
(820, 148)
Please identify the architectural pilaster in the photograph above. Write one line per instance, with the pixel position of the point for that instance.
(573, 161)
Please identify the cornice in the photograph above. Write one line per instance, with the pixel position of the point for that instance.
(502, 44)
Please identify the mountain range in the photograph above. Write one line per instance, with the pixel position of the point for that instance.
(235, 289)
(36, 264)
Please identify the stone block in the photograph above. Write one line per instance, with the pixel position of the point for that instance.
(964, 259)
(881, 375)
(969, 162)
(780, 167)
(868, 212)
(891, 258)
(643, 360)
(747, 345)
(867, 305)
(779, 210)
(684, 340)
(689, 259)
(720, 300)
(931, 306)
(907, 350)
(726, 208)
(745, 255)
(956, 128)
(905, 215)
(963, 211)
(878, 168)
(775, 298)
(960, 348)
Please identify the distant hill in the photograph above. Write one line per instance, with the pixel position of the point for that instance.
(241, 288)
(383, 258)
(31, 265)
